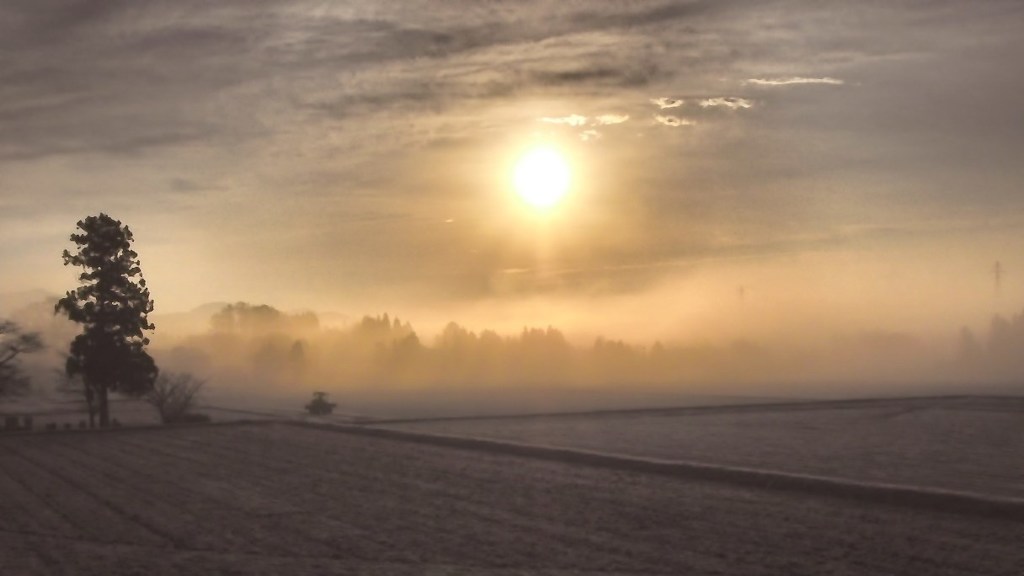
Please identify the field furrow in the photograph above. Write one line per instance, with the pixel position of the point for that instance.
(181, 514)
(97, 512)
(23, 510)
(372, 501)
(440, 493)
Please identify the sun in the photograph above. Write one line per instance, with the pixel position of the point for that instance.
(542, 177)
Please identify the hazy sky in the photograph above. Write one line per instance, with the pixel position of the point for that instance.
(737, 166)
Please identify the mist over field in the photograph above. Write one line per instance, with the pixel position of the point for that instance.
(257, 355)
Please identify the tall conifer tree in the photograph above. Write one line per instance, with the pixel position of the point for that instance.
(112, 305)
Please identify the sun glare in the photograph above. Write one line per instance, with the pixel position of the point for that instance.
(541, 177)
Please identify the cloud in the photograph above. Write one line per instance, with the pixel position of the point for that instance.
(596, 76)
(578, 120)
(673, 121)
(610, 119)
(664, 103)
(726, 101)
(793, 80)
(570, 120)
(589, 135)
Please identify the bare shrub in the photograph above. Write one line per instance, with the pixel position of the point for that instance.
(13, 343)
(174, 395)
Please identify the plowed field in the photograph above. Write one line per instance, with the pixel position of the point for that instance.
(962, 444)
(278, 499)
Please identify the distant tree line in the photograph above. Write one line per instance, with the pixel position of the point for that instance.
(254, 345)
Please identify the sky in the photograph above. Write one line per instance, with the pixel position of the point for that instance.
(771, 170)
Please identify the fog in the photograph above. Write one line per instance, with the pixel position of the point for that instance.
(380, 364)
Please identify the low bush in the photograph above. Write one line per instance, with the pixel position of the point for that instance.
(174, 395)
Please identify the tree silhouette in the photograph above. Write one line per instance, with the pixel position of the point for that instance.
(13, 343)
(112, 308)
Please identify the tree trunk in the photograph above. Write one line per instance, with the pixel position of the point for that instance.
(90, 403)
(104, 409)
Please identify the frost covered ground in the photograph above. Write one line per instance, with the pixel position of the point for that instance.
(971, 444)
(281, 499)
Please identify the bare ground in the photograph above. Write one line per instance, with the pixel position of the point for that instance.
(273, 499)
